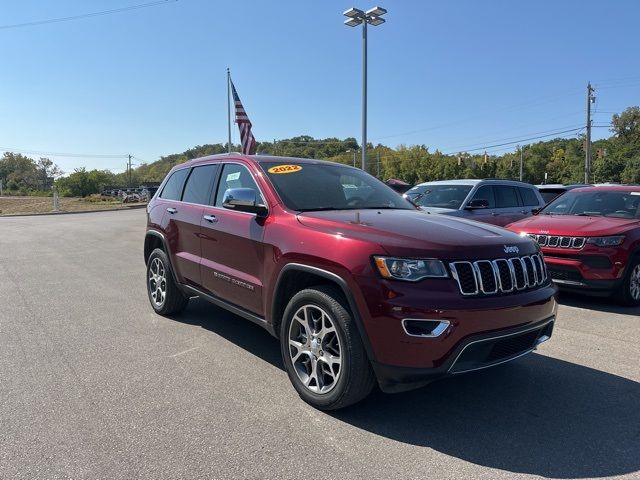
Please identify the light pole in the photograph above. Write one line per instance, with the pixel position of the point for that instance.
(373, 17)
(354, 155)
(521, 159)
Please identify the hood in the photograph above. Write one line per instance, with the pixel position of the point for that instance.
(574, 225)
(412, 233)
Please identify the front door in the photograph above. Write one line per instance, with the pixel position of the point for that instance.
(232, 251)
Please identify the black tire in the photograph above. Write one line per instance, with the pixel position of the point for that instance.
(174, 301)
(356, 378)
(625, 295)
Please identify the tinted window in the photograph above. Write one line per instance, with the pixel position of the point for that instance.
(198, 188)
(173, 188)
(529, 197)
(327, 186)
(506, 196)
(485, 193)
(442, 196)
(235, 176)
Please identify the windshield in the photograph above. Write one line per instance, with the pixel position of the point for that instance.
(325, 186)
(596, 203)
(442, 196)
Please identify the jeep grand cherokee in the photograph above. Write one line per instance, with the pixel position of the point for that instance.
(358, 285)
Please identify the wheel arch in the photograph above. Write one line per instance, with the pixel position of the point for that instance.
(295, 277)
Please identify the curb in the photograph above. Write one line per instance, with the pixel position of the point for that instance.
(133, 207)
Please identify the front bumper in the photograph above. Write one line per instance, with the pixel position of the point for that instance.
(399, 357)
(475, 353)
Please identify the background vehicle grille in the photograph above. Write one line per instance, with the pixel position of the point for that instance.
(485, 277)
(575, 243)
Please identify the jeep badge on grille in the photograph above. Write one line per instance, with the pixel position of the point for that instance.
(511, 249)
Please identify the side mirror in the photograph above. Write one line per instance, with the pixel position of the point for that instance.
(244, 200)
(477, 204)
(535, 211)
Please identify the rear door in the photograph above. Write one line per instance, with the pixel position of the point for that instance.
(232, 249)
(508, 205)
(530, 200)
(181, 224)
(487, 215)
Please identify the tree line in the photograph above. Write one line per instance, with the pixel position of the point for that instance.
(561, 160)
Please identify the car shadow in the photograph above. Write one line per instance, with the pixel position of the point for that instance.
(600, 304)
(536, 415)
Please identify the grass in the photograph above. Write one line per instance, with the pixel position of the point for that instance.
(26, 205)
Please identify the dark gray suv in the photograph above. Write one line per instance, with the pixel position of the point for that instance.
(499, 202)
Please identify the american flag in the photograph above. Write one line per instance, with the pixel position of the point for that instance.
(246, 137)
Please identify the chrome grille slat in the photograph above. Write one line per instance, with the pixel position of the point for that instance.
(558, 242)
(503, 275)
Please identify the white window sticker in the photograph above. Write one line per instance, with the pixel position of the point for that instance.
(635, 193)
(233, 176)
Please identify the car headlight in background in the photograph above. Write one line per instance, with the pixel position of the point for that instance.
(410, 269)
(606, 241)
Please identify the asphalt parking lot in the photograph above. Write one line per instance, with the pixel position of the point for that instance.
(93, 384)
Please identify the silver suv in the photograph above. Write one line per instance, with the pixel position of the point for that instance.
(499, 202)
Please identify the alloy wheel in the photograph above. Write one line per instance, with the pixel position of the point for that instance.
(314, 349)
(157, 282)
(634, 283)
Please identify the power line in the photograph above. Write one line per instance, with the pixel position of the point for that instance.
(522, 140)
(86, 15)
(61, 154)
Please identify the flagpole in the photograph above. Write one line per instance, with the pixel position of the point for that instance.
(229, 108)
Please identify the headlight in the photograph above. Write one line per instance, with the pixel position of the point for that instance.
(410, 269)
(606, 241)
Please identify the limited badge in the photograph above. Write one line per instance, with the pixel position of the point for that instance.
(285, 169)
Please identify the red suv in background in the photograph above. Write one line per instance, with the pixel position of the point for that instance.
(357, 283)
(590, 238)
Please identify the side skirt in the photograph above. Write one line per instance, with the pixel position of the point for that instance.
(189, 290)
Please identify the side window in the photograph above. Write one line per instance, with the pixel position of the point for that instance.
(173, 188)
(506, 196)
(529, 197)
(199, 184)
(485, 193)
(235, 176)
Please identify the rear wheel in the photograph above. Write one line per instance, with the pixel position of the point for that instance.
(164, 295)
(630, 290)
(322, 350)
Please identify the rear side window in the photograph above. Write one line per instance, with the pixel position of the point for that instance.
(235, 176)
(529, 197)
(173, 188)
(199, 184)
(485, 193)
(506, 196)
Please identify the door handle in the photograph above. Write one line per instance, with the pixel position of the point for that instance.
(172, 210)
(524, 211)
(210, 218)
(495, 214)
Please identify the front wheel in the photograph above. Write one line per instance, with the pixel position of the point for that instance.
(630, 292)
(322, 350)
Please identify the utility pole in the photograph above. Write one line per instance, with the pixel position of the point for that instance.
(521, 161)
(587, 151)
(129, 169)
(378, 175)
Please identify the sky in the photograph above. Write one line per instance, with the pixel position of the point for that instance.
(452, 75)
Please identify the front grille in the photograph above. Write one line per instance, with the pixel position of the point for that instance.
(488, 277)
(567, 274)
(575, 243)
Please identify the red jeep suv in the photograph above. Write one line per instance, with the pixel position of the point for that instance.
(591, 240)
(358, 285)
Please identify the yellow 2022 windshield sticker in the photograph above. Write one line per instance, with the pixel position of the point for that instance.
(285, 169)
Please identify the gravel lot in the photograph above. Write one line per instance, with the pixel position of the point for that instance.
(93, 384)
